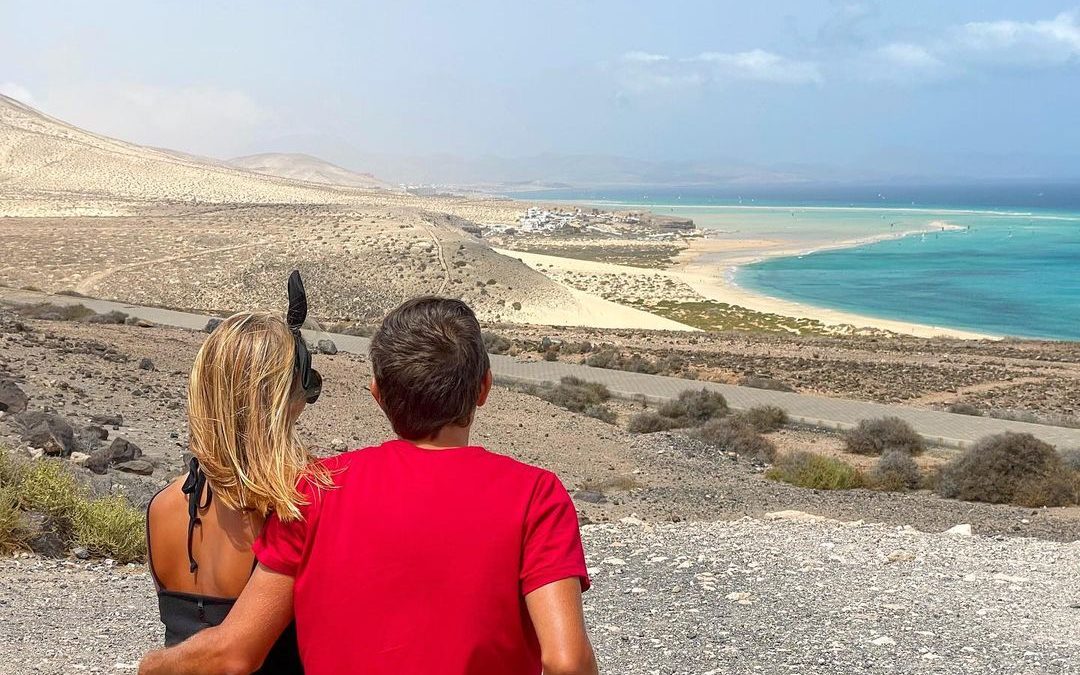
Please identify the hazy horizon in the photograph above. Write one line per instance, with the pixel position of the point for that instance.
(598, 93)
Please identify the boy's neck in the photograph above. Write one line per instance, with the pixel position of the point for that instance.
(450, 436)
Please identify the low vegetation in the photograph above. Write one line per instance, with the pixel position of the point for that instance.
(769, 383)
(649, 422)
(765, 419)
(694, 408)
(577, 395)
(105, 526)
(964, 409)
(896, 471)
(1011, 468)
(816, 472)
(48, 311)
(884, 435)
(735, 435)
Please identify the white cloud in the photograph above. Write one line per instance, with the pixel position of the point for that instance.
(1048, 42)
(196, 119)
(643, 57)
(639, 72)
(908, 55)
(761, 66)
(17, 91)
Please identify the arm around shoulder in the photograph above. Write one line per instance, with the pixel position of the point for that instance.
(241, 643)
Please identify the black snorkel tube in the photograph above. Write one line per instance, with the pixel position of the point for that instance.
(309, 378)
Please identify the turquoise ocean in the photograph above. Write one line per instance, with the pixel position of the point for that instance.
(1003, 260)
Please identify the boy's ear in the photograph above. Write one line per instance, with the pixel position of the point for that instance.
(375, 394)
(485, 389)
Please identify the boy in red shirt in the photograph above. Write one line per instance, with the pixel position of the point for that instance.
(428, 555)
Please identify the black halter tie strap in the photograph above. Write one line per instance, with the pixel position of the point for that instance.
(194, 487)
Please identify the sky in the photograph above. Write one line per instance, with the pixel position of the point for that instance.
(966, 88)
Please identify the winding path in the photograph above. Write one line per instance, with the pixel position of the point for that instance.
(936, 427)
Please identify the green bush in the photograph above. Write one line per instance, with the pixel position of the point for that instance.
(10, 534)
(47, 486)
(880, 436)
(896, 471)
(814, 471)
(736, 436)
(693, 408)
(764, 418)
(111, 527)
(1010, 468)
(648, 422)
(108, 526)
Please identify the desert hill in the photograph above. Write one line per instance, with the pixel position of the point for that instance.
(301, 167)
(54, 167)
(99, 216)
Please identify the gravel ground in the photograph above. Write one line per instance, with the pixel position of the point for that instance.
(743, 596)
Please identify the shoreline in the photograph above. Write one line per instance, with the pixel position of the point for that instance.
(698, 267)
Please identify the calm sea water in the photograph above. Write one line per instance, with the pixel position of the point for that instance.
(1013, 270)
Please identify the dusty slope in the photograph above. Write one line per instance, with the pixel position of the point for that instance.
(42, 156)
(297, 166)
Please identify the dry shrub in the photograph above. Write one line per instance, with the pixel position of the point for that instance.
(577, 395)
(764, 418)
(1010, 468)
(772, 384)
(896, 471)
(884, 435)
(494, 343)
(649, 422)
(964, 409)
(737, 436)
(816, 472)
(693, 408)
(51, 312)
(10, 521)
(1071, 458)
(621, 483)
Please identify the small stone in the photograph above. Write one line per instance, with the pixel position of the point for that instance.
(326, 347)
(108, 420)
(590, 497)
(146, 364)
(211, 324)
(123, 450)
(79, 458)
(900, 556)
(883, 641)
(80, 553)
(962, 530)
(12, 398)
(739, 596)
(137, 466)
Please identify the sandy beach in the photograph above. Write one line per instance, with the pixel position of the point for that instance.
(708, 266)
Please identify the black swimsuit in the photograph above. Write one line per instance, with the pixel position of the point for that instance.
(185, 614)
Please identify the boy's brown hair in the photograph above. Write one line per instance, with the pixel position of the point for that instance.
(429, 362)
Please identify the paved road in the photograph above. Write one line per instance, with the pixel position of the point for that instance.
(936, 427)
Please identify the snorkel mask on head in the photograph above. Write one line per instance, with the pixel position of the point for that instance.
(308, 377)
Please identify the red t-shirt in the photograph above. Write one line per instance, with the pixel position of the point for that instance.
(418, 561)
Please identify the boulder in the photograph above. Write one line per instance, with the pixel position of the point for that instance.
(98, 462)
(12, 399)
(96, 432)
(325, 347)
(50, 432)
(138, 466)
(211, 324)
(123, 450)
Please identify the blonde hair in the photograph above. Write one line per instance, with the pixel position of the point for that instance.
(242, 410)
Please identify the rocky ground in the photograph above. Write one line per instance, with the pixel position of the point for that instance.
(705, 598)
(83, 372)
